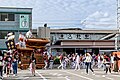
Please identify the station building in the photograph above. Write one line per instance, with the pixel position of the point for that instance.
(75, 40)
(14, 20)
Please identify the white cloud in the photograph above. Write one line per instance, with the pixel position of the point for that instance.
(99, 16)
(53, 11)
(99, 20)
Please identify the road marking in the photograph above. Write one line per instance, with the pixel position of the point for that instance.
(67, 78)
(115, 75)
(54, 74)
(103, 75)
(78, 75)
(97, 75)
(41, 75)
(106, 75)
(109, 78)
(26, 77)
(59, 75)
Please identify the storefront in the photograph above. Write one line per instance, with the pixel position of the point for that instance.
(83, 46)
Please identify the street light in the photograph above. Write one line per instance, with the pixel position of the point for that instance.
(118, 26)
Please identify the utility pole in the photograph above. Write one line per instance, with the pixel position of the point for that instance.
(118, 26)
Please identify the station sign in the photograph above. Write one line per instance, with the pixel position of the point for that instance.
(24, 21)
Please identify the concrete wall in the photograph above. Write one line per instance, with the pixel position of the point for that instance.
(15, 25)
(43, 32)
(98, 44)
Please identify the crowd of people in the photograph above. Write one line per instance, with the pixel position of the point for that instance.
(107, 62)
(8, 63)
(24, 37)
(10, 59)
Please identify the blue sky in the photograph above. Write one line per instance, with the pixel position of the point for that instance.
(85, 14)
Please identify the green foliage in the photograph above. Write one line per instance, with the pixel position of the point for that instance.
(57, 60)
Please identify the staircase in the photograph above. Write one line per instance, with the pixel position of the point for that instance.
(107, 36)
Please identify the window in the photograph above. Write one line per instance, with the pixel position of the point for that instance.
(3, 34)
(51, 38)
(7, 17)
(11, 17)
(3, 17)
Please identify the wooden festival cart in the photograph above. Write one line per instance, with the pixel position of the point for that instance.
(25, 53)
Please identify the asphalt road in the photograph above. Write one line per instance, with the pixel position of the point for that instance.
(68, 74)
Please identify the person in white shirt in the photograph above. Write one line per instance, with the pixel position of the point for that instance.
(22, 40)
(99, 61)
(112, 61)
(77, 66)
(88, 60)
(29, 34)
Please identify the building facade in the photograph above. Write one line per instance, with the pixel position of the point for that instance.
(14, 20)
(80, 41)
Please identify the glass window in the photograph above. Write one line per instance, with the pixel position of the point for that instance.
(4, 17)
(7, 17)
(11, 17)
(3, 34)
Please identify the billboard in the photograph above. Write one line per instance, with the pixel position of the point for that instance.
(24, 21)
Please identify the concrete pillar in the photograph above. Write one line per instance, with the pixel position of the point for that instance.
(43, 32)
